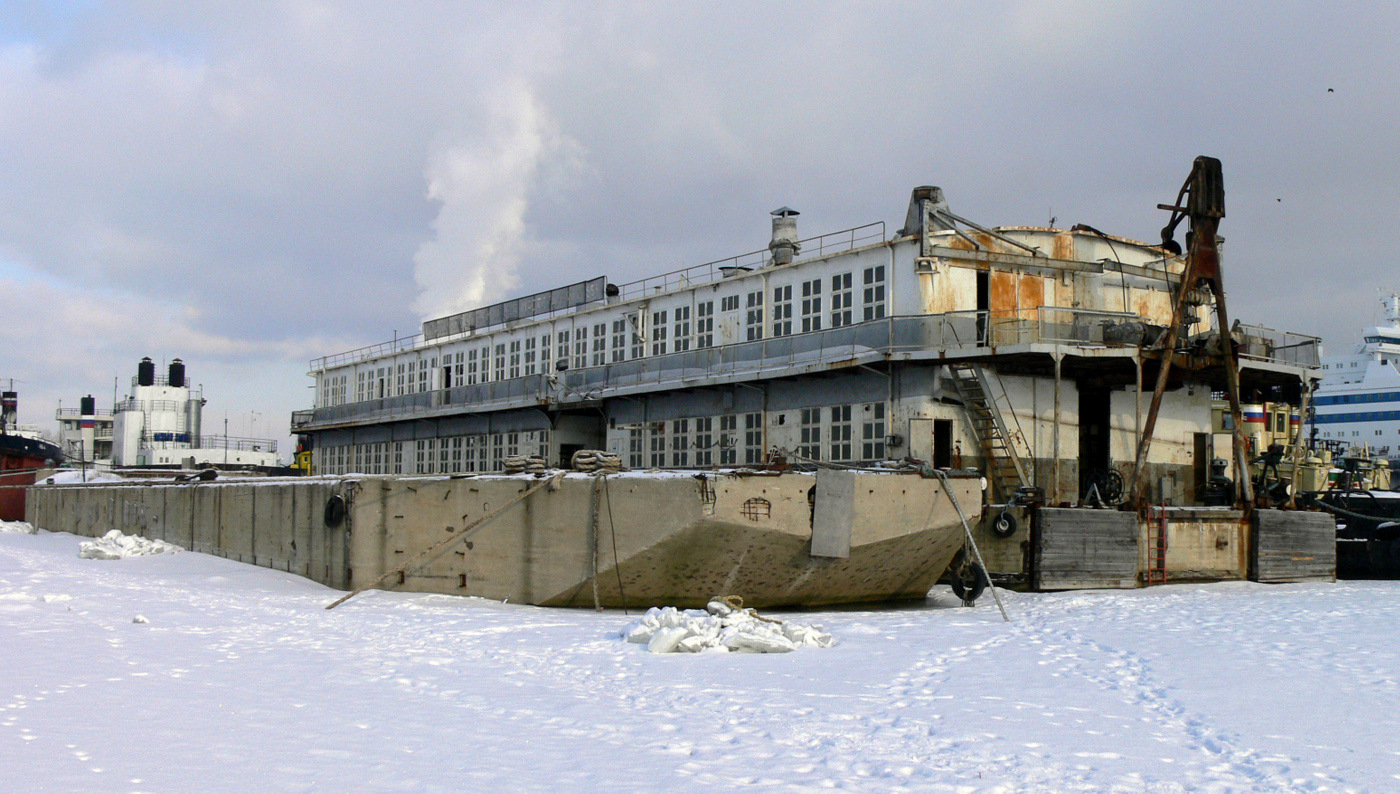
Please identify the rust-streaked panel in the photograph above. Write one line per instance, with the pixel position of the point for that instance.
(1031, 294)
(1001, 287)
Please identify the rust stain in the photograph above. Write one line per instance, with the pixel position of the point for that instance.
(1001, 287)
(1064, 246)
(1031, 295)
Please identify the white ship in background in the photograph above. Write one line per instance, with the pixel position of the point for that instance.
(159, 426)
(1358, 403)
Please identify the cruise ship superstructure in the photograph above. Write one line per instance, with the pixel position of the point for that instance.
(1357, 406)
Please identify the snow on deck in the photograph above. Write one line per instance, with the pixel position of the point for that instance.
(240, 680)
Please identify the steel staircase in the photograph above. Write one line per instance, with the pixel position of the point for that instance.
(1004, 466)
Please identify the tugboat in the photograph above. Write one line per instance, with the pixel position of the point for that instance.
(22, 454)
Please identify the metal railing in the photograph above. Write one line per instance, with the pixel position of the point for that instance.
(829, 348)
(79, 412)
(812, 247)
(132, 404)
(495, 393)
(1266, 344)
(230, 443)
(396, 345)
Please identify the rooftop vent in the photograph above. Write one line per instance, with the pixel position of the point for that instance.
(784, 245)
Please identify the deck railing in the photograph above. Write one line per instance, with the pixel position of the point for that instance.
(830, 348)
(1266, 344)
(810, 248)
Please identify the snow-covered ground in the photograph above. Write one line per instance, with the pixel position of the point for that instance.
(241, 681)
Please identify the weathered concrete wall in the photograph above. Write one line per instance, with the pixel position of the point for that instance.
(272, 523)
(1203, 544)
(678, 539)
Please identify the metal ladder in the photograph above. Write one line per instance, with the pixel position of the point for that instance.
(1157, 544)
(1003, 463)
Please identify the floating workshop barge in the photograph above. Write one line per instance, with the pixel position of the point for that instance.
(1026, 354)
(1023, 352)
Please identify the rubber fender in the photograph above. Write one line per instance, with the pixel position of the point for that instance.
(1005, 525)
(335, 511)
(969, 582)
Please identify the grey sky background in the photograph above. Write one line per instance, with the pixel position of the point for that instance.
(250, 185)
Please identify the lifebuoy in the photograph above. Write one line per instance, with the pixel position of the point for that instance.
(335, 511)
(1005, 525)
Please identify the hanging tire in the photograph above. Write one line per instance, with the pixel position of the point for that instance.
(968, 582)
(1005, 525)
(335, 511)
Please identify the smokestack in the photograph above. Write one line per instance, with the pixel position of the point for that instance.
(784, 245)
(177, 373)
(9, 411)
(88, 406)
(146, 373)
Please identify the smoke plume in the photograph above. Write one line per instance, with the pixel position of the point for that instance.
(485, 186)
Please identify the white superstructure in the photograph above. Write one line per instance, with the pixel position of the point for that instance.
(159, 425)
(1358, 404)
(85, 433)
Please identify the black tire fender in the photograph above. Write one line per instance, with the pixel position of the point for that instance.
(1004, 525)
(335, 511)
(969, 582)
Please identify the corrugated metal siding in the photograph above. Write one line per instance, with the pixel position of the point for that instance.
(1086, 549)
(1293, 546)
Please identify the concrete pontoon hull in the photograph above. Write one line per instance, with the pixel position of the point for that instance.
(659, 539)
(668, 539)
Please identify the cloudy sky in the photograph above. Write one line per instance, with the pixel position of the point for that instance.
(250, 185)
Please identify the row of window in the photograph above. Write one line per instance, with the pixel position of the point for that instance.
(665, 331)
(697, 442)
(453, 455)
(836, 433)
(1347, 399)
(825, 434)
(1368, 416)
(1352, 434)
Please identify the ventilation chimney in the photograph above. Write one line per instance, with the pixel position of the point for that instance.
(146, 373)
(784, 244)
(927, 203)
(177, 373)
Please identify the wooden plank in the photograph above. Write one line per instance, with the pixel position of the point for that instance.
(1078, 548)
(1293, 546)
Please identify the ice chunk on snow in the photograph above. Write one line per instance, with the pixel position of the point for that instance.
(666, 639)
(22, 527)
(116, 546)
(720, 627)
